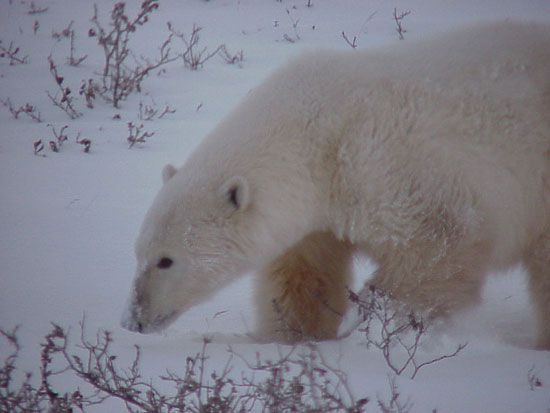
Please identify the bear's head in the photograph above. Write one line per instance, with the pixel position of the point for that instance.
(187, 248)
(201, 232)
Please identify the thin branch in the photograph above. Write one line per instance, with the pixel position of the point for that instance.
(65, 101)
(36, 10)
(12, 53)
(399, 22)
(351, 43)
(27, 109)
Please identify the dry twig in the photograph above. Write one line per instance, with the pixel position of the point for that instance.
(399, 22)
(12, 53)
(62, 98)
(27, 109)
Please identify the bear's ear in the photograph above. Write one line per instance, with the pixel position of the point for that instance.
(235, 192)
(168, 172)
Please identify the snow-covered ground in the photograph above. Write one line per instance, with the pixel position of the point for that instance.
(68, 220)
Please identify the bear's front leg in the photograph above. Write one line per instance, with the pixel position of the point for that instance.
(302, 294)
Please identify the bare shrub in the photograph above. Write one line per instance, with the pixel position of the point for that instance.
(229, 58)
(137, 135)
(395, 331)
(119, 78)
(193, 56)
(60, 138)
(26, 397)
(26, 109)
(148, 112)
(299, 380)
(23, 398)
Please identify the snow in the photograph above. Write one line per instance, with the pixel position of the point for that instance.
(68, 220)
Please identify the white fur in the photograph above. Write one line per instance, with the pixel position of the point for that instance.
(431, 156)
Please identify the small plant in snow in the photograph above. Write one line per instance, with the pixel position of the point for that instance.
(147, 112)
(193, 56)
(118, 77)
(167, 110)
(64, 33)
(72, 60)
(33, 9)
(60, 138)
(294, 22)
(399, 17)
(533, 379)
(85, 142)
(68, 32)
(136, 135)
(26, 109)
(12, 54)
(231, 59)
(38, 148)
(89, 89)
(353, 42)
(62, 98)
(393, 330)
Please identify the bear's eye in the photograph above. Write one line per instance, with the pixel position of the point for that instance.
(164, 263)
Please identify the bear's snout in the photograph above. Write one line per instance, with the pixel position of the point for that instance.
(129, 322)
(130, 319)
(139, 320)
(134, 326)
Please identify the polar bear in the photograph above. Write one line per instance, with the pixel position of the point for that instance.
(432, 157)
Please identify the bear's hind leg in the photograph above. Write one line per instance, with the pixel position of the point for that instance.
(537, 260)
(436, 280)
(303, 293)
